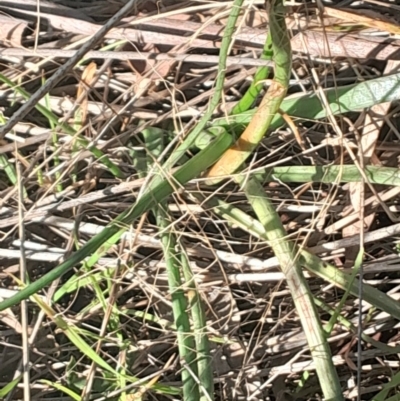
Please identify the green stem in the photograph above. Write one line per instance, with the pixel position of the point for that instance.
(234, 157)
(101, 242)
(311, 262)
(333, 173)
(287, 256)
(248, 99)
(204, 360)
(219, 86)
(186, 341)
(154, 145)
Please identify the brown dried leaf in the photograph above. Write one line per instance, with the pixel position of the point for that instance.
(11, 30)
(332, 44)
(86, 80)
(9, 319)
(364, 17)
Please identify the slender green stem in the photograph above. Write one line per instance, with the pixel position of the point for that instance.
(154, 144)
(333, 173)
(186, 341)
(311, 262)
(219, 86)
(248, 99)
(234, 157)
(332, 321)
(101, 242)
(204, 361)
(287, 256)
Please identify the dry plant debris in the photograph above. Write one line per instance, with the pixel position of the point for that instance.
(78, 159)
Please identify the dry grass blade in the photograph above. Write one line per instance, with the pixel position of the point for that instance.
(60, 73)
(105, 329)
(364, 17)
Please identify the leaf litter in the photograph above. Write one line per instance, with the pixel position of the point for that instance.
(258, 348)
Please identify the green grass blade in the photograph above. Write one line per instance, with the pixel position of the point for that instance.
(393, 398)
(342, 99)
(72, 333)
(101, 242)
(74, 336)
(10, 172)
(248, 99)
(10, 386)
(76, 282)
(382, 395)
(219, 86)
(63, 389)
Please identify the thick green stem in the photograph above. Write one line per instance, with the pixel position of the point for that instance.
(234, 158)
